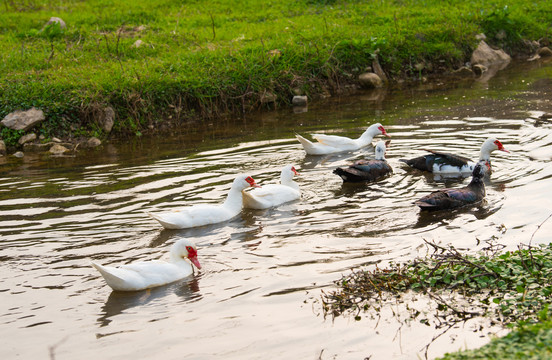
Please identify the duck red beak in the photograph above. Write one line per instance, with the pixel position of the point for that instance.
(383, 132)
(251, 182)
(294, 171)
(500, 146)
(195, 261)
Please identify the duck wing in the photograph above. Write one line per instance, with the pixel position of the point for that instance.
(448, 199)
(364, 170)
(436, 159)
(339, 142)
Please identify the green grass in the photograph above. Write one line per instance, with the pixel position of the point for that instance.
(529, 342)
(202, 59)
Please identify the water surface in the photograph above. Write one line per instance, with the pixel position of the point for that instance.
(258, 293)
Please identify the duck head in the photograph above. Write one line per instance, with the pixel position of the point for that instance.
(185, 249)
(242, 182)
(380, 150)
(490, 145)
(375, 129)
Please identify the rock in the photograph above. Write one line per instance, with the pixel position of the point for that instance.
(27, 138)
(485, 55)
(106, 119)
(138, 43)
(299, 100)
(19, 154)
(479, 69)
(93, 142)
(2, 148)
(544, 52)
(23, 120)
(57, 20)
(370, 81)
(463, 72)
(58, 149)
(56, 140)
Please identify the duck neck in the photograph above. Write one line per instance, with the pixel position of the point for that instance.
(477, 185)
(380, 155)
(287, 180)
(234, 200)
(368, 135)
(177, 259)
(485, 153)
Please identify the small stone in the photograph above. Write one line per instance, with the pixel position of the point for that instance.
(2, 147)
(41, 137)
(544, 52)
(54, 20)
(19, 154)
(93, 142)
(27, 138)
(57, 149)
(370, 81)
(55, 139)
(485, 55)
(141, 28)
(23, 120)
(481, 36)
(138, 43)
(299, 100)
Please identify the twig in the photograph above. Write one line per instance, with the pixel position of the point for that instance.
(213, 26)
(538, 227)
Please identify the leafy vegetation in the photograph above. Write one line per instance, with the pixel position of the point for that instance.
(201, 59)
(509, 287)
(532, 341)
(513, 286)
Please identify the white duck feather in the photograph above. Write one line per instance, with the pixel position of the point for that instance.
(148, 274)
(205, 214)
(272, 195)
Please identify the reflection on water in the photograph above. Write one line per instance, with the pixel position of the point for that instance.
(119, 301)
(259, 289)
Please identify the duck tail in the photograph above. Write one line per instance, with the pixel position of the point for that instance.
(307, 144)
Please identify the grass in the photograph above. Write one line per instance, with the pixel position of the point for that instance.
(203, 59)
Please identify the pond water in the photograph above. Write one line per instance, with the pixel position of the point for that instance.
(258, 293)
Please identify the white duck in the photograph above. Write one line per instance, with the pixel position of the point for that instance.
(447, 163)
(204, 214)
(328, 144)
(274, 194)
(148, 274)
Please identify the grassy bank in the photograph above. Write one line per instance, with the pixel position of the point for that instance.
(202, 59)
